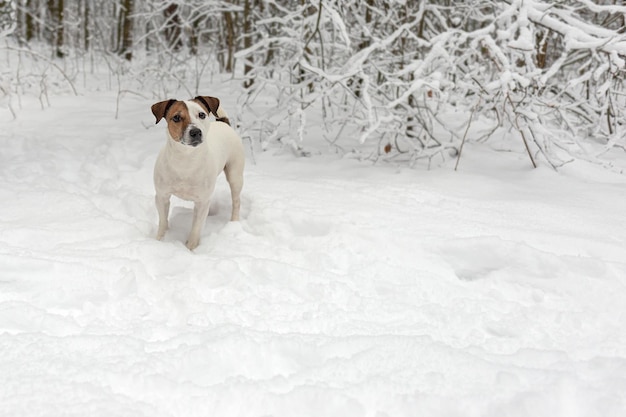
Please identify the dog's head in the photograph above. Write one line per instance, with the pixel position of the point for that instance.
(186, 120)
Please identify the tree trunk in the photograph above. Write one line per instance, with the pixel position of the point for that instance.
(126, 34)
(173, 26)
(404, 53)
(357, 84)
(194, 40)
(60, 36)
(55, 16)
(25, 18)
(86, 23)
(247, 42)
(227, 62)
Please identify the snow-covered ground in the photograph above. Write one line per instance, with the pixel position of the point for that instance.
(346, 290)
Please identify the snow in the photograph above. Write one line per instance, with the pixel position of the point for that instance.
(346, 290)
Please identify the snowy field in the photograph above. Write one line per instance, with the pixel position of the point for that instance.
(346, 290)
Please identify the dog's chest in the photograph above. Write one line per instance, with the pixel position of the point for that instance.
(188, 193)
(189, 181)
(187, 188)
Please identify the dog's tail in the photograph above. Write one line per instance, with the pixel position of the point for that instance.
(221, 115)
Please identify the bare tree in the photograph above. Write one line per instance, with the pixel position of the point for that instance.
(247, 41)
(125, 37)
(173, 27)
(56, 26)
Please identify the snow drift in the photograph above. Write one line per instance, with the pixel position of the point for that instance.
(346, 290)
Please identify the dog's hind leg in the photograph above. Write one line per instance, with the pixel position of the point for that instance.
(234, 176)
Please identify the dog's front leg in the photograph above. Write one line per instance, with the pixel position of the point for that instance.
(163, 208)
(200, 213)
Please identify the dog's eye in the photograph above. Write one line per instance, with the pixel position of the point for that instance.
(176, 118)
(202, 115)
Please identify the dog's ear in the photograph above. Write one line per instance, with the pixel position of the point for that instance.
(211, 104)
(160, 109)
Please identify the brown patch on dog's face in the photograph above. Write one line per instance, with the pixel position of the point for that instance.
(160, 109)
(175, 114)
(184, 120)
(177, 120)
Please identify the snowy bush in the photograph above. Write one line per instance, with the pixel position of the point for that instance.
(406, 78)
(402, 72)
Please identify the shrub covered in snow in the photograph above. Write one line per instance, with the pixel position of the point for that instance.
(406, 76)
(403, 72)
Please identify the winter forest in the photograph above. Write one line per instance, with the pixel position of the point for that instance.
(432, 216)
(412, 79)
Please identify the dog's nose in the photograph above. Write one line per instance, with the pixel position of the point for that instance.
(195, 133)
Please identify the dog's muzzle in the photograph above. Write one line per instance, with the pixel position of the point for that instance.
(195, 137)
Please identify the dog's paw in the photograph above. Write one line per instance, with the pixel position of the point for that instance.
(161, 232)
(192, 243)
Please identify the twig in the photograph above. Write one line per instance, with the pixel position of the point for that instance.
(521, 131)
(320, 9)
(61, 71)
(469, 123)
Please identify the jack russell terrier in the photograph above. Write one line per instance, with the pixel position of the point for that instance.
(195, 153)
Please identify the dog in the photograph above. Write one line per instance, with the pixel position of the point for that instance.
(196, 152)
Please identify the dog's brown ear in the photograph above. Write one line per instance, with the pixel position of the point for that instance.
(160, 109)
(211, 104)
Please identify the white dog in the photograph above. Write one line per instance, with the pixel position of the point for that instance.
(195, 153)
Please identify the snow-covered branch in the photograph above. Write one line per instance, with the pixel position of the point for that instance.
(402, 76)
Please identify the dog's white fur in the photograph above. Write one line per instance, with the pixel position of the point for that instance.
(189, 172)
